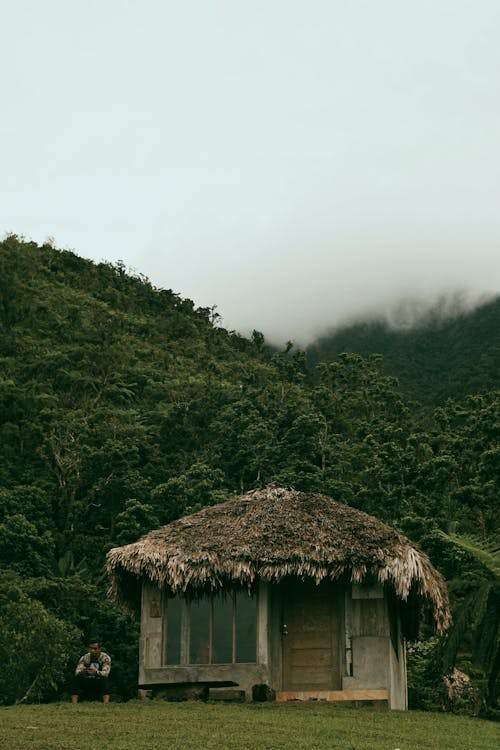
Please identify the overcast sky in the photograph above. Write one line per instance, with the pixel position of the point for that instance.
(294, 162)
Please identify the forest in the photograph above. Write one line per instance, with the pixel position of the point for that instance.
(123, 407)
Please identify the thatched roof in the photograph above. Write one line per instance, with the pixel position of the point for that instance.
(269, 534)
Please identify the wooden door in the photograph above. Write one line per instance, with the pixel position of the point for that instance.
(311, 637)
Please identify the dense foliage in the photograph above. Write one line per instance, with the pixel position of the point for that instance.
(123, 407)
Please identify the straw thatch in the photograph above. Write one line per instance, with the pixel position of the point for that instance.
(269, 534)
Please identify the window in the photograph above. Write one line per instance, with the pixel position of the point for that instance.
(219, 629)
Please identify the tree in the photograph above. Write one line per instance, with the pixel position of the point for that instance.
(478, 614)
(35, 646)
(135, 520)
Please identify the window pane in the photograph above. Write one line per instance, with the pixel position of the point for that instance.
(246, 628)
(199, 632)
(173, 639)
(223, 630)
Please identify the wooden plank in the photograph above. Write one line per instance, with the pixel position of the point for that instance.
(319, 639)
(307, 678)
(369, 617)
(307, 657)
(332, 695)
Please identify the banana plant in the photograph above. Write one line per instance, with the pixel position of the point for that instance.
(478, 613)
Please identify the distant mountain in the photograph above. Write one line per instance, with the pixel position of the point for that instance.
(440, 357)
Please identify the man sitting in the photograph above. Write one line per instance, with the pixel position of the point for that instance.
(91, 675)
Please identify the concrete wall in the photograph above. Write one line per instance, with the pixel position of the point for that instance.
(151, 639)
(367, 634)
(398, 698)
(274, 636)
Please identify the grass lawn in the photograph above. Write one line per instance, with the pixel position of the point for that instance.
(198, 726)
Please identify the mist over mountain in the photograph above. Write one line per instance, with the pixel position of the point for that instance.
(447, 350)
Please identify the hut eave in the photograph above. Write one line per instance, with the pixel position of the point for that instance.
(270, 534)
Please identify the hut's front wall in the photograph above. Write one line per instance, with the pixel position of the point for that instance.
(242, 647)
(348, 644)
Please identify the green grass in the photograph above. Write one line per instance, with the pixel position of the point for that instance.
(197, 726)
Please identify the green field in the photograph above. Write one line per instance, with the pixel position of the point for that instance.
(197, 726)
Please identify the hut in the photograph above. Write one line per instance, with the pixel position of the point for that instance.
(278, 593)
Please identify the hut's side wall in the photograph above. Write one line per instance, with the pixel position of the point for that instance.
(368, 631)
(375, 654)
(398, 697)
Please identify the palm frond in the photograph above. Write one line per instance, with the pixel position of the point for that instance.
(487, 552)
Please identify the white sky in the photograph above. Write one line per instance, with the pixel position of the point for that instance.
(294, 162)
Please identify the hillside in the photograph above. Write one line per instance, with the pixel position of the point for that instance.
(108, 385)
(439, 357)
(122, 407)
(125, 401)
